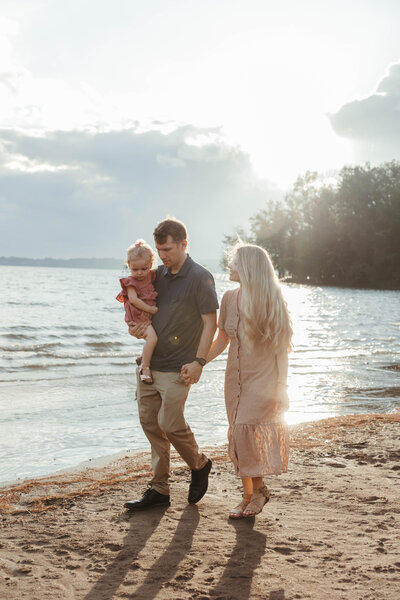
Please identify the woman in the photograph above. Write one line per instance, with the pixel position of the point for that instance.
(255, 321)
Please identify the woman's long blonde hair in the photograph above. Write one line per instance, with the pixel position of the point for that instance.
(264, 313)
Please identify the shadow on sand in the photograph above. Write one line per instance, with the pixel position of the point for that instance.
(235, 581)
(142, 526)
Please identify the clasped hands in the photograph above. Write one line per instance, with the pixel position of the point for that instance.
(190, 373)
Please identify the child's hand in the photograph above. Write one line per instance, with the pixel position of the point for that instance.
(153, 310)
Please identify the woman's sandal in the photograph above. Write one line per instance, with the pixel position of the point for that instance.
(258, 500)
(237, 512)
(145, 375)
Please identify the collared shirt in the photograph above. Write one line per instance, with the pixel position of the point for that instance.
(182, 299)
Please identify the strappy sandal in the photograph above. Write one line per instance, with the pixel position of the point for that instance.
(258, 500)
(237, 512)
(145, 375)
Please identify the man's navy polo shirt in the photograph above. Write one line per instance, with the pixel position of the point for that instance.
(182, 299)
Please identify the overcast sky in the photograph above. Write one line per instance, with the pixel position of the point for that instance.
(115, 114)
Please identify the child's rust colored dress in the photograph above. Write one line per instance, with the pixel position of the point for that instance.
(258, 436)
(145, 291)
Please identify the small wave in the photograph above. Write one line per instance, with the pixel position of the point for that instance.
(18, 336)
(394, 367)
(48, 366)
(103, 344)
(13, 303)
(29, 327)
(380, 352)
(43, 347)
(73, 376)
(77, 328)
(122, 364)
(38, 348)
(368, 393)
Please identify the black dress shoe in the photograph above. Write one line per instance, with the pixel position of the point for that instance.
(150, 499)
(199, 483)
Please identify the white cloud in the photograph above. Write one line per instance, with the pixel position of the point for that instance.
(8, 27)
(373, 123)
(86, 193)
(172, 161)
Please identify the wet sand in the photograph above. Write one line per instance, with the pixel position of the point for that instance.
(330, 531)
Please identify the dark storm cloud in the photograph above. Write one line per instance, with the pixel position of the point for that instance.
(92, 194)
(374, 122)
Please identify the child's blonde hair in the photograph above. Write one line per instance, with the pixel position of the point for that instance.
(141, 250)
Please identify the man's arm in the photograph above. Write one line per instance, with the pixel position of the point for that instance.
(191, 372)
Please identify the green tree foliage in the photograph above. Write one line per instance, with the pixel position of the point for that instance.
(343, 234)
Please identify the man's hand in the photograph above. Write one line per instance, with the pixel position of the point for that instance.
(137, 329)
(191, 372)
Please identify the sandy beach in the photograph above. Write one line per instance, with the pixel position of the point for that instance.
(330, 530)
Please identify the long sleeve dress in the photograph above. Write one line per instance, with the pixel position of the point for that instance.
(258, 435)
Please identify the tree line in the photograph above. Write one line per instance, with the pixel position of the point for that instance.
(70, 263)
(345, 232)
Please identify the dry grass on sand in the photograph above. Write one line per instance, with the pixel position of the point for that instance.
(330, 530)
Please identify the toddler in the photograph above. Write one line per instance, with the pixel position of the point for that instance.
(138, 295)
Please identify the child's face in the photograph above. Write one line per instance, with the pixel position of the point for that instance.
(139, 268)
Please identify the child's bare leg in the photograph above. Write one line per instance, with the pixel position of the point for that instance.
(148, 349)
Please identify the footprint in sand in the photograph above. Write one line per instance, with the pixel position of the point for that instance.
(113, 547)
(283, 549)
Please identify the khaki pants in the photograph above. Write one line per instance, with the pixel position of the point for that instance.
(161, 407)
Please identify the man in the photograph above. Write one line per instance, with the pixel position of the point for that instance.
(185, 325)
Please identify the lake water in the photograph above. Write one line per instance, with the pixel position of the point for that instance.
(67, 384)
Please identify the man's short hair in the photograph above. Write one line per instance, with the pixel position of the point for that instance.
(170, 226)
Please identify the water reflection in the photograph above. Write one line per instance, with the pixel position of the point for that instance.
(343, 340)
(67, 384)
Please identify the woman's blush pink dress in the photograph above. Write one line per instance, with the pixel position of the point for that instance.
(258, 435)
(145, 291)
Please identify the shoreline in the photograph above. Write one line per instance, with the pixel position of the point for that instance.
(329, 531)
(103, 461)
(307, 434)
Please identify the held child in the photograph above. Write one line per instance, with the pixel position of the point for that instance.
(138, 295)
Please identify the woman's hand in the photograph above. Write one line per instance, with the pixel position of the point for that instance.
(153, 310)
(282, 399)
(191, 372)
